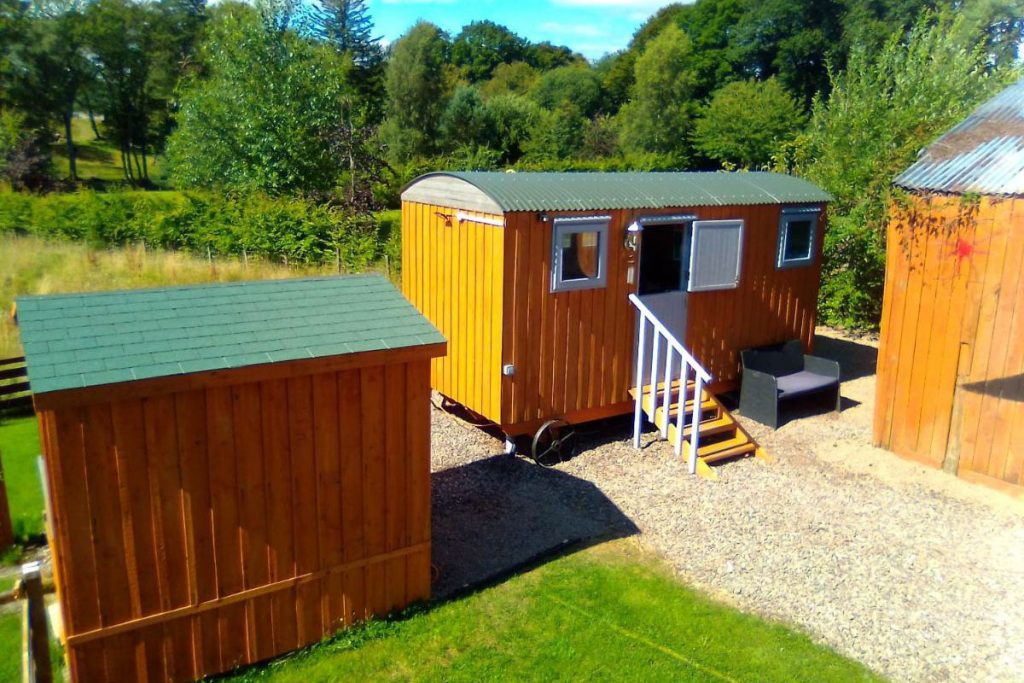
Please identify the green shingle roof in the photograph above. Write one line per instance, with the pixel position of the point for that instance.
(636, 190)
(83, 340)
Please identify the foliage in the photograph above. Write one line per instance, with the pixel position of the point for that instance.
(281, 229)
(416, 92)
(513, 120)
(575, 85)
(510, 79)
(482, 45)
(746, 121)
(657, 119)
(608, 613)
(262, 116)
(882, 110)
(25, 161)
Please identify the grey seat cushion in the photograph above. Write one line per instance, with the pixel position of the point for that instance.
(803, 382)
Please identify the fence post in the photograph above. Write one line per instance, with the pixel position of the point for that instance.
(37, 668)
(6, 528)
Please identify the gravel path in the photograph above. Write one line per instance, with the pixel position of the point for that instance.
(913, 572)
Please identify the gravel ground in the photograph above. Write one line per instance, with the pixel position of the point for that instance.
(913, 572)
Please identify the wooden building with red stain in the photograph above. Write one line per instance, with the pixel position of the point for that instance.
(950, 390)
(529, 276)
(234, 471)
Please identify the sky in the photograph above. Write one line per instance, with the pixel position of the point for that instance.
(590, 27)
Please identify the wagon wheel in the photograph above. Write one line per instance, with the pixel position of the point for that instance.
(553, 443)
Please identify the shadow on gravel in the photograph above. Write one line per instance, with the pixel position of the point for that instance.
(496, 517)
(855, 359)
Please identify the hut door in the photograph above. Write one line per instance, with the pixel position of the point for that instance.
(663, 278)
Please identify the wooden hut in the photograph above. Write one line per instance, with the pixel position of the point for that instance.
(539, 281)
(951, 364)
(233, 470)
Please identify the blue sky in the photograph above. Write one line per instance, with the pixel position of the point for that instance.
(591, 27)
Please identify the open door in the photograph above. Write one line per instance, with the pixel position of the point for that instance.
(663, 278)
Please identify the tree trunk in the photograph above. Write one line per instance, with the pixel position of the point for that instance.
(72, 161)
(95, 128)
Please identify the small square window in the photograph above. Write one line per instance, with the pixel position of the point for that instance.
(579, 253)
(796, 239)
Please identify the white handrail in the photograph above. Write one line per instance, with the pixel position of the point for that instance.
(676, 344)
(700, 377)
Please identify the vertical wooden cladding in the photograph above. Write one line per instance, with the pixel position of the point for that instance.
(573, 351)
(452, 272)
(950, 390)
(770, 305)
(201, 530)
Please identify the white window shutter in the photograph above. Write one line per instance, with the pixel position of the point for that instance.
(716, 253)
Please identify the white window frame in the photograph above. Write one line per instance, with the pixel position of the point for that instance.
(695, 254)
(792, 215)
(571, 226)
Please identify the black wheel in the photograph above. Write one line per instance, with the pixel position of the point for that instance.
(553, 443)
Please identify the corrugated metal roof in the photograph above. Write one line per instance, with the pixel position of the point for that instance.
(587, 191)
(82, 340)
(984, 154)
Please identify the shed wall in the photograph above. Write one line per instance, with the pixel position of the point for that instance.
(453, 275)
(573, 351)
(207, 528)
(950, 389)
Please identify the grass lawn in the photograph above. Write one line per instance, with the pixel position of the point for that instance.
(608, 613)
(19, 446)
(96, 159)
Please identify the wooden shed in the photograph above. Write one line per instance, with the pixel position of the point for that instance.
(951, 363)
(539, 281)
(233, 470)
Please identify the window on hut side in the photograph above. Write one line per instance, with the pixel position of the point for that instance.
(716, 255)
(579, 253)
(797, 229)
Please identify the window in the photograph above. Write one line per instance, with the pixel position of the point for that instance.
(797, 230)
(716, 255)
(579, 253)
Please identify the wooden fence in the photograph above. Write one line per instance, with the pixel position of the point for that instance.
(15, 392)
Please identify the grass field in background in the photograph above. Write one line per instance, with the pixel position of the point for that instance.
(97, 159)
(35, 266)
(608, 613)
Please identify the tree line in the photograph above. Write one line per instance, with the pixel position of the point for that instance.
(300, 98)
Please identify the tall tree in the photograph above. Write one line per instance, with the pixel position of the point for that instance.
(417, 93)
(264, 112)
(658, 117)
(483, 45)
(883, 108)
(578, 85)
(746, 122)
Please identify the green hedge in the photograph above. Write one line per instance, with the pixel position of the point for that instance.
(280, 229)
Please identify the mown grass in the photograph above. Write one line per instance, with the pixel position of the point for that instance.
(608, 613)
(19, 447)
(97, 159)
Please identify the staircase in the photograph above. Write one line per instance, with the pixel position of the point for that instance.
(677, 403)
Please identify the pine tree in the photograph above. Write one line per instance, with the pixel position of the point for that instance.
(347, 25)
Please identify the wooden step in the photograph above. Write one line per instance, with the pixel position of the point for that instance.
(708, 407)
(727, 448)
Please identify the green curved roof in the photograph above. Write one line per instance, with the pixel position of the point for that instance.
(630, 190)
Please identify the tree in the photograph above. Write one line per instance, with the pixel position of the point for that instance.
(416, 92)
(263, 114)
(657, 119)
(577, 85)
(882, 109)
(50, 69)
(558, 134)
(510, 79)
(546, 56)
(465, 122)
(746, 122)
(25, 160)
(513, 119)
(483, 45)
